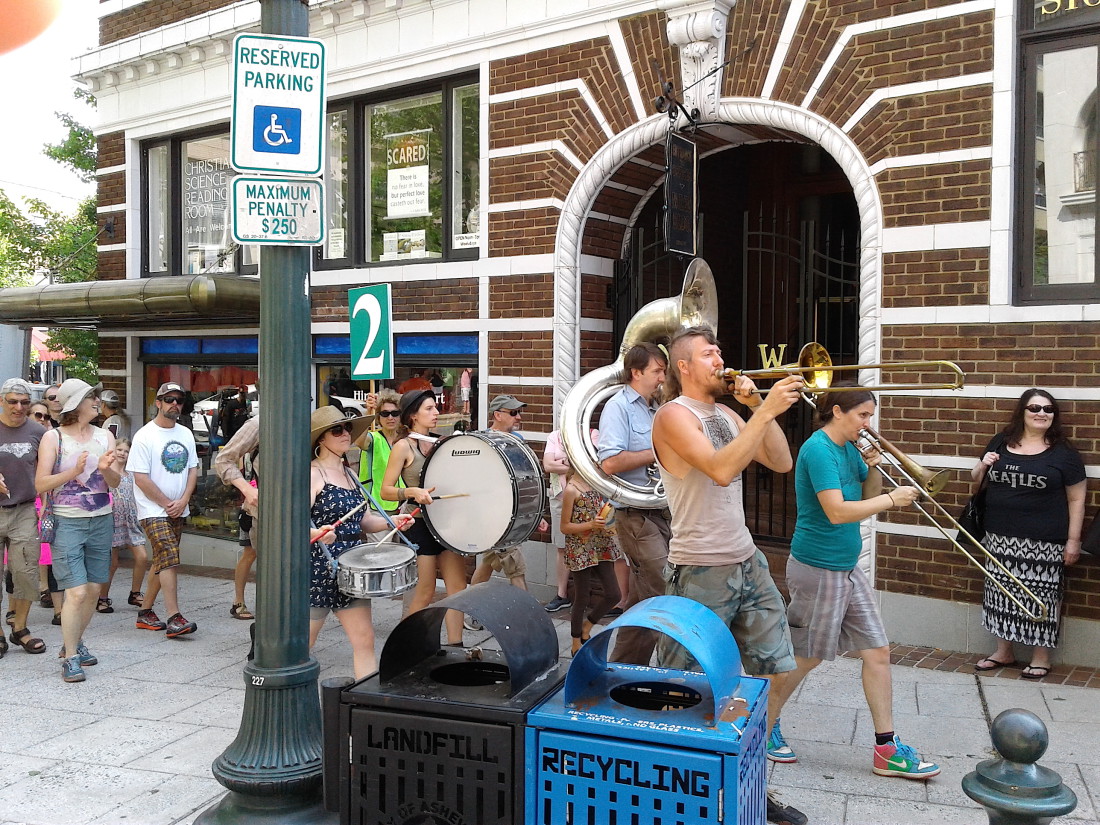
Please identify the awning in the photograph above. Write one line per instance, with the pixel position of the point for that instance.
(42, 349)
(200, 300)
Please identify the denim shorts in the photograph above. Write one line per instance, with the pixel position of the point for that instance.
(746, 599)
(82, 550)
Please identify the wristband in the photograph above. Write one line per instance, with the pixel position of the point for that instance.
(889, 495)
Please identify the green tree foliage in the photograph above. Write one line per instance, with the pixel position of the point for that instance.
(38, 241)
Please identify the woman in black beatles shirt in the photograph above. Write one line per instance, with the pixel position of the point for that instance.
(1035, 505)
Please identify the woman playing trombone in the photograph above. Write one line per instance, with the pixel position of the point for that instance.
(832, 605)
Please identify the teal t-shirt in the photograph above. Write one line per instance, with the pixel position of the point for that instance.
(822, 465)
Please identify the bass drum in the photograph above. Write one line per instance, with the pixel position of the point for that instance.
(502, 486)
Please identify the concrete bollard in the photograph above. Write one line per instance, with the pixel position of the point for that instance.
(1014, 790)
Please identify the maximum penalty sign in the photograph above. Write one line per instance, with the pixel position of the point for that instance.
(278, 211)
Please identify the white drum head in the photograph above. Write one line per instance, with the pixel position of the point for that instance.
(475, 522)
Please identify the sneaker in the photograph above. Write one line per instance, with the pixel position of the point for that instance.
(71, 671)
(897, 759)
(179, 626)
(104, 606)
(778, 749)
(148, 620)
(470, 623)
(136, 598)
(782, 814)
(558, 603)
(87, 658)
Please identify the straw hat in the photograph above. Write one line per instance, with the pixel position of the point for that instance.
(325, 418)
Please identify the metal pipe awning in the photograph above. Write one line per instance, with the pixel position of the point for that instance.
(137, 302)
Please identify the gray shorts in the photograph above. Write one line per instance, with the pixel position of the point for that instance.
(745, 597)
(19, 535)
(831, 611)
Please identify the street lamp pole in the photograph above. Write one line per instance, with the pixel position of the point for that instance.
(273, 767)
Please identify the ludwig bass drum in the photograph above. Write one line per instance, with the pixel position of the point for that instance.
(502, 486)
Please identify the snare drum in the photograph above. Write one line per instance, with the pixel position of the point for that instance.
(368, 570)
(504, 486)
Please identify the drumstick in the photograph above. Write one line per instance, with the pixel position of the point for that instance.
(450, 495)
(393, 532)
(330, 527)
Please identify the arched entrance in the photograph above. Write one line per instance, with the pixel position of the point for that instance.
(746, 114)
(780, 229)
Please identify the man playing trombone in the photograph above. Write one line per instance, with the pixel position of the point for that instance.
(832, 605)
(702, 448)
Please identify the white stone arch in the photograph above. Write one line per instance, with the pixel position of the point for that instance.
(735, 111)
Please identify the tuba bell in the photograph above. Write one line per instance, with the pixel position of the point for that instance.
(696, 305)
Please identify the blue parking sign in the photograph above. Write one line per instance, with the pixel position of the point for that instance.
(277, 129)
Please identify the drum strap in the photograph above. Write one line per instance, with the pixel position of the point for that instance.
(378, 508)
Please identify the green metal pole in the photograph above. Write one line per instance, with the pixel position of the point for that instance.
(273, 768)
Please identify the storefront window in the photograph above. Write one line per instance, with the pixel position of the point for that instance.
(214, 507)
(466, 175)
(157, 212)
(1056, 253)
(336, 186)
(405, 147)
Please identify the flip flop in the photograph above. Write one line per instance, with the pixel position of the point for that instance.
(1035, 676)
(995, 666)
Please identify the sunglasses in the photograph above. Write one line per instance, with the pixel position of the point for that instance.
(172, 399)
(513, 413)
(340, 429)
(40, 416)
(51, 397)
(1038, 408)
(19, 402)
(389, 413)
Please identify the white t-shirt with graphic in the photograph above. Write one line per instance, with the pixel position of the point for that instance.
(165, 454)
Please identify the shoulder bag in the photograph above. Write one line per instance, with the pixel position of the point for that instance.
(47, 521)
(972, 518)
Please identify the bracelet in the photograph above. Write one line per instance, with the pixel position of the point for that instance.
(889, 495)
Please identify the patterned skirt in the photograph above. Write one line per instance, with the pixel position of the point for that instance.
(1040, 566)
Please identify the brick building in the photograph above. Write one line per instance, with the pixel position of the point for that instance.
(887, 177)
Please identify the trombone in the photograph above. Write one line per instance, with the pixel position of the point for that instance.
(930, 483)
(817, 369)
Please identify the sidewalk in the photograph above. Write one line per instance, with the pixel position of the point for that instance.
(134, 743)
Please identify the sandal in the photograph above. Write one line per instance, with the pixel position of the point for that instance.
(240, 611)
(9, 617)
(45, 599)
(3, 645)
(1034, 675)
(25, 640)
(993, 664)
(56, 620)
(104, 606)
(136, 597)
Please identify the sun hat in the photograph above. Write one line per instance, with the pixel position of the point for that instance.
(72, 391)
(325, 418)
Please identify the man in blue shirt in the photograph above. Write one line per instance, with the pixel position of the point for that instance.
(626, 451)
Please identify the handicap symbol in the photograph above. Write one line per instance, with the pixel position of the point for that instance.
(275, 134)
(277, 130)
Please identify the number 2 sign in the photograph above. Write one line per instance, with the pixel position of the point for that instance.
(369, 309)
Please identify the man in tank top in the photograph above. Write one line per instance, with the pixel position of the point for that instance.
(702, 448)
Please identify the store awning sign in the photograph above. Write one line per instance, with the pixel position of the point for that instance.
(370, 311)
(277, 123)
(407, 175)
(278, 211)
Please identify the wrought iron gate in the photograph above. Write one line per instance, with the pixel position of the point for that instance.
(798, 282)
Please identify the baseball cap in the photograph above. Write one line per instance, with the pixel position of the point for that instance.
(109, 397)
(168, 387)
(16, 385)
(505, 402)
(72, 391)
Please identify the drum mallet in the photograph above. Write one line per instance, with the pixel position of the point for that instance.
(329, 528)
(393, 532)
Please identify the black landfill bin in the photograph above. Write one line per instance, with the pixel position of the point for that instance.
(437, 735)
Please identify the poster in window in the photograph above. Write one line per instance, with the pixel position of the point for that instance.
(407, 175)
(398, 245)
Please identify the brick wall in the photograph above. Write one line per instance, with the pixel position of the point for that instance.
(522, 296)
(943, 277)
(454, 298)
(152, 14)
(111, 189)
(112, 265)
(595, 300)
(530, 232)
(937, 193)
(524, 354)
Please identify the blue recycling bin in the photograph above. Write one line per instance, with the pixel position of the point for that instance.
(622, 743)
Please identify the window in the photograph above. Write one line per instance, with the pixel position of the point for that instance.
(403, 177)
(187, 220)
(1056, 258)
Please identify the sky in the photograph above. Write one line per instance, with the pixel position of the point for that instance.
(38, 82)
